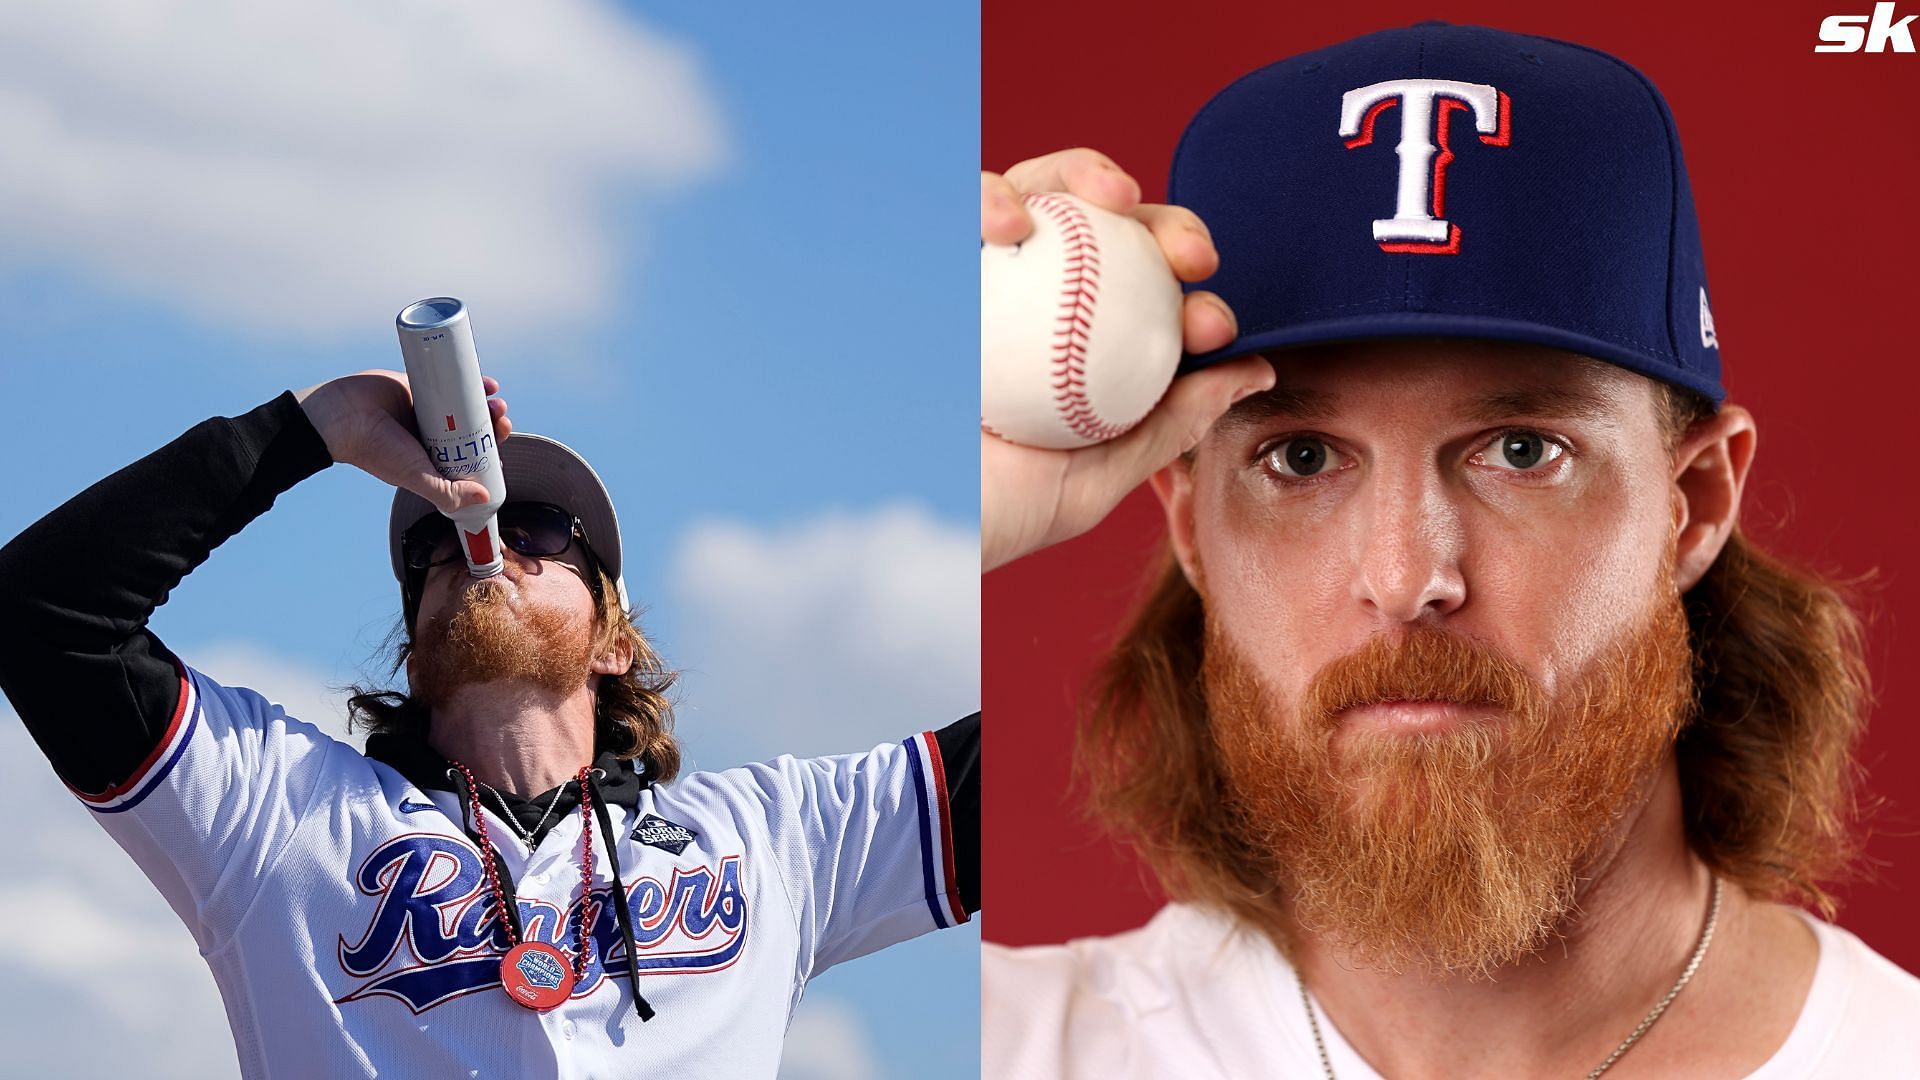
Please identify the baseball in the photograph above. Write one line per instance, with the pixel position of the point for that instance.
(1079, 326)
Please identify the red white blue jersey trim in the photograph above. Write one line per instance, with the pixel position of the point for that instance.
(936, 832)
(128, 793)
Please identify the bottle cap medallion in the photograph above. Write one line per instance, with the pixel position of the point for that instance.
(536, 975)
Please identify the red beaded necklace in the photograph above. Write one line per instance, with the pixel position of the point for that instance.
(535, 974)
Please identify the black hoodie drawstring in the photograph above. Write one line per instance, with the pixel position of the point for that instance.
(620, 912)
(512, 914)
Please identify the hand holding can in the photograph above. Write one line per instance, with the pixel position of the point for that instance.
(450, 405)
(367, 420)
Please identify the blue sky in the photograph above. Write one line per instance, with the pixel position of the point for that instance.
(720, 253)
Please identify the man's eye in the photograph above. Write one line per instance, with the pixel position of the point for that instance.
(1519, 451)
(1303, 457)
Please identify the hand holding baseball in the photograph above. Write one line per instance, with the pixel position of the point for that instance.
(367, 421)
(1031, 498)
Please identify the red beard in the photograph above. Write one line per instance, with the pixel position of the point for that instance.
(487, 640)
(1457, 851)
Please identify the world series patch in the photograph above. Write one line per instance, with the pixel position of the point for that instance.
(655, 831)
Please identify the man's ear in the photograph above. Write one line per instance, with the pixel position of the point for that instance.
(1174, 486)
(1709, 472)
(618, 657)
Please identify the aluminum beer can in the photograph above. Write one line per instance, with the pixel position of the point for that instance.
(436, 342)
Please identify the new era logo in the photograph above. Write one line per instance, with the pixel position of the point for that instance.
(663, 834)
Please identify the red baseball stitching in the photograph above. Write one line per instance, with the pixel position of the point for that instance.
(1079, 291)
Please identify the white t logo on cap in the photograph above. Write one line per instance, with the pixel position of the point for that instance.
(1708, 339)
(1423, 177)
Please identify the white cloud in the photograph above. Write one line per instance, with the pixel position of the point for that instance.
(302, 169)
(303, 692)
(828, 635)
(96, 958)
(828, 1041)
(97, 970)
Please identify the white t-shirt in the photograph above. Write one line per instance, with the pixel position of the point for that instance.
(1185, 996)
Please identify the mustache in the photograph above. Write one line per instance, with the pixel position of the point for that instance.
(1422, 664)
(483, 590)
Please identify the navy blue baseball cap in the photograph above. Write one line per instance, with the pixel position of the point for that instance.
(1453, 181)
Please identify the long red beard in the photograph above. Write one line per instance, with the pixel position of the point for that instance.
(485, 641)
(1457, 852)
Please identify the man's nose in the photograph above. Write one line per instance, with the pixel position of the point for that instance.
(1408, 548)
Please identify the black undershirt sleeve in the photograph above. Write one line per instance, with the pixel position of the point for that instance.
(960, 756)
(93, 685)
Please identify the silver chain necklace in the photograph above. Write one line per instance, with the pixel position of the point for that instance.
(1693, 964)
(506, 813)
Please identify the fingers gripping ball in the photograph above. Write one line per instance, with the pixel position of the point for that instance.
(1079, 326)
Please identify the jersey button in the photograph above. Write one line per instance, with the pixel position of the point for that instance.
(567, 1029)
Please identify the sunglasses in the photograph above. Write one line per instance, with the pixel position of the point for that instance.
(534, 529)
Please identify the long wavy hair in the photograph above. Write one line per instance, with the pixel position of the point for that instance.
(633, 716)
(1768, 777)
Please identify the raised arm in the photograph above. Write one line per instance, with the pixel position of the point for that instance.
(1031, 499)
(94, 686)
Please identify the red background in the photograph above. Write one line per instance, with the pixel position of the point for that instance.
(1806, 172)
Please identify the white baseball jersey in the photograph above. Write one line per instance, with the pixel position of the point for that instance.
(348, 921)
(337, 895)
